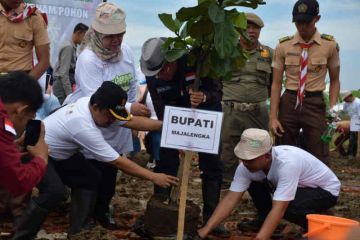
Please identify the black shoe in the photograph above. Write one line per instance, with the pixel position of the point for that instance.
(221, 232)
(106, 221)
(250, 225)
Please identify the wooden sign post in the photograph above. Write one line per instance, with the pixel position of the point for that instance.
(189, 130)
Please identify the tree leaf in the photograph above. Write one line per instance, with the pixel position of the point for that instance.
(201, 28)
(216, 14)
(185, 14)
(238, 19)
(168, 21)
(225, 38)
(243, 3)
(174, 54)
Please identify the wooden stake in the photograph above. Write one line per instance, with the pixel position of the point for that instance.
(183, 194)
(358, 146)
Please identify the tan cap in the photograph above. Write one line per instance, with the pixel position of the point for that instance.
(254, 142)
(109, 19)
(347, 94)
(252, 17)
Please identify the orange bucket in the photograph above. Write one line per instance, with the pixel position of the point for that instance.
(323, 227)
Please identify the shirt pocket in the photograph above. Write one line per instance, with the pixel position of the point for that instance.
(317, 64)
(292, 65)
(263, 72)
(23, 39)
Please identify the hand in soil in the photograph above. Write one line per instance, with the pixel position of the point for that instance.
(164, 180)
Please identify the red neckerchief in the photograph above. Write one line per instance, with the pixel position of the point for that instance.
(23, 12)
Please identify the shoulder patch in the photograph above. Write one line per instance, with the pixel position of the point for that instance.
(327, 37)
(284, 39)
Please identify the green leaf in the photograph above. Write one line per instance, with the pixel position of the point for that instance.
(167, 44)
(201, 28)
(225, 38)
(238, 19)
(185, 14)
(168, 21)
(174, 54)
(243, 3)
(216, 14)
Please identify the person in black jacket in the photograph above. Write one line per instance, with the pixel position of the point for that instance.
(170, 83)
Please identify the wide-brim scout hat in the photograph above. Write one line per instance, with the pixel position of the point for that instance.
(305, 10)
(254, 142)
(109, 19)
(253, 18)
(112, 97)
(152, 58)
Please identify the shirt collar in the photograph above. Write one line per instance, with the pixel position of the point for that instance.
(315, 38)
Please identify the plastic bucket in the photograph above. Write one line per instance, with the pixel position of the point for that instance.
(323, 227)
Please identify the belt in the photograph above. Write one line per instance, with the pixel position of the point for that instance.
(307, 94)
(243, 107)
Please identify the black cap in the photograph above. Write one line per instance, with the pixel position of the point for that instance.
(305, 10)
(111, 96)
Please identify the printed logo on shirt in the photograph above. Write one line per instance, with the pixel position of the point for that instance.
(9, 127)
(163, 89)
(123, 81)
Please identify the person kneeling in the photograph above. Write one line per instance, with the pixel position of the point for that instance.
(283, 181)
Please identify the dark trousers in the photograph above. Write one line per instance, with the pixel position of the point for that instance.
(77, 172)
(307, 201)
(107, 186)
(310, 117)
(353, 144)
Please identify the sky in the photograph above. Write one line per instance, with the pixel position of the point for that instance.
(338, 18)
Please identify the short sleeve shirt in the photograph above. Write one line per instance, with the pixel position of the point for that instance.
(90, 73)
(72, 129)
(18, 39)
(323, 55)
(291, 168)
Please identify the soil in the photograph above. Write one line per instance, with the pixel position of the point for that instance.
(132, 195)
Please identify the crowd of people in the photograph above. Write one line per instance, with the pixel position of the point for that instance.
(83, 143)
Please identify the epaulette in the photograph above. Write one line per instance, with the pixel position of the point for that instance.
(327, 37)
(284, 39)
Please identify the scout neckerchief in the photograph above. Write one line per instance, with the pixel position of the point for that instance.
(25, 12)
(303, 73)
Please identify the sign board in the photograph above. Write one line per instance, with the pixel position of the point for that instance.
(62, 17)
(355, 124)
(191, 129)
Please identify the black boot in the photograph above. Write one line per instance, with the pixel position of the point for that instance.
(211, 196)
(30, 222)
(82, 207)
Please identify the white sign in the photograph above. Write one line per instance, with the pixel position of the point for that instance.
(62, 18)
(191, 129)
(355, 124)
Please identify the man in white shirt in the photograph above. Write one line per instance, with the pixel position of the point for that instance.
(283, 181)
(74, 128)
(352, 108)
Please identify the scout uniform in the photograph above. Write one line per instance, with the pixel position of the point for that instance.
(18, 35)
(322, 55)
(244, 101)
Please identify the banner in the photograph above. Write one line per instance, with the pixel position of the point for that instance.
(63, 16)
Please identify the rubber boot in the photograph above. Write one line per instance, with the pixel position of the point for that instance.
(82, 208)
(30, 222)
(211, 196)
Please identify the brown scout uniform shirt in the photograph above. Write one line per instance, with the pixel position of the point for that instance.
(250, 83)
(18, 39)
(323, 54)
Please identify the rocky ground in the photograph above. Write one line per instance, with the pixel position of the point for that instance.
(132, 195)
